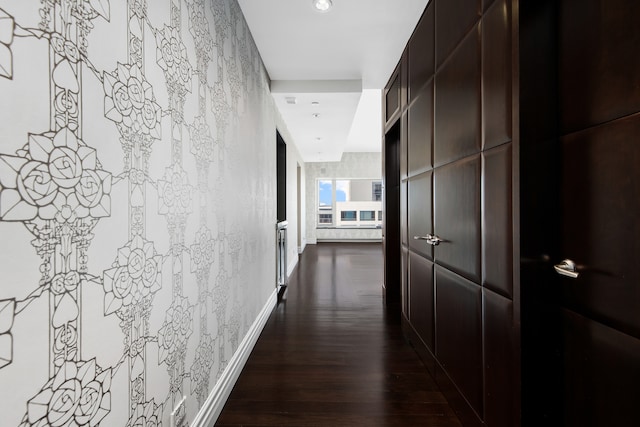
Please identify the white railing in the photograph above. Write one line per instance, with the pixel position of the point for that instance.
(281, 254)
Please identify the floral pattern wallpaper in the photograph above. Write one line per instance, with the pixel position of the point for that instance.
(137, 212)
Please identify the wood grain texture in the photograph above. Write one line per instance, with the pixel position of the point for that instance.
(496, 75)
(421, 303)
(420, 217)
(420, 135)
(601, 366)
(329, 356)
(499, 386)
(600, 223)
(457, 217)
(497, 235)
(421, 53)
(599, 65)
(457, 103)
(453, 19)
(459, 334)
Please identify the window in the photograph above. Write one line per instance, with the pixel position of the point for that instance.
(376, 191)
(379, 215)
(348, 215)
(367, 215)
(325, 218)
(343, 190)
(325, 194)
(348, 202)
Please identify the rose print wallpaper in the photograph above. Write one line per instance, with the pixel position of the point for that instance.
(137, 206)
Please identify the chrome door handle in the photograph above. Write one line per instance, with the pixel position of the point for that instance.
(567, 268)
(435, 240)
(432, 240)
(428, 238)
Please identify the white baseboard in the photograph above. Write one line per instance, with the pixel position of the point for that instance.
(214, 404)
(291, 266)
(376, 240)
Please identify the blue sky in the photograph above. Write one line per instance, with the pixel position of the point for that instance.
(324, 193)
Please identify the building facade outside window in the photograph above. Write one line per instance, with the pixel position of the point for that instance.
(376, 191)
(325, 218)
(349, 202)
(348, 215)
(367, 215)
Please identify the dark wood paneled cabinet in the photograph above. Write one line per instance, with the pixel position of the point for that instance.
(519, 126)
(458, 188)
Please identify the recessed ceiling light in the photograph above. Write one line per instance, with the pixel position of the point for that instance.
(315, 103)
(322, 5)
(316, 115)
(318, 139)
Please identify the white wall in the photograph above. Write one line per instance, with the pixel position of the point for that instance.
(361, 190)
(137, 206)
(358, 207)
(352, 165)
(293, 160)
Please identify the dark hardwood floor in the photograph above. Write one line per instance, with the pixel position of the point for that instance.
(330, 356)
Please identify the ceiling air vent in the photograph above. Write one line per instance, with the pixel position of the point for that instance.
(291, 100)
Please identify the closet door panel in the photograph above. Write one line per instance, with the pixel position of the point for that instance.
(600, 223)
(404, 238)
(421, 304)
(601, 374)
(497, 234)
(421, 132)
(459, 333)
(404, 146)
(454, 18)
(599, 61)
(496, 75)
(498, 360)
(421, 54)
(404, 268)
(457, 217)
(420, 205)
(457, 92)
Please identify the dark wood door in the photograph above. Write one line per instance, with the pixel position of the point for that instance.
(582, 348)
(583, 173)
(459, 304)
(600, 210)
(600, 309)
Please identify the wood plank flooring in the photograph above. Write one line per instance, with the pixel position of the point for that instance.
(330, 356)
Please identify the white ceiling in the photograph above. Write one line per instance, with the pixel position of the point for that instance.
(340, 59)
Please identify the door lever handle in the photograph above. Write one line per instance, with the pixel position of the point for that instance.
(435, 240)
(567, 268)
(432, 240)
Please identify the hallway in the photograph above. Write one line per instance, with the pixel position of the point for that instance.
(328, 356)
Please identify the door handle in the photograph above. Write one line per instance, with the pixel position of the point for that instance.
(567, 268)
(432, 240)
(435, 240)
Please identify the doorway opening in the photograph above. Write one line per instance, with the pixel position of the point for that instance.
(391, 219)
(281, 223)
(281, 167)
(299, 207)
